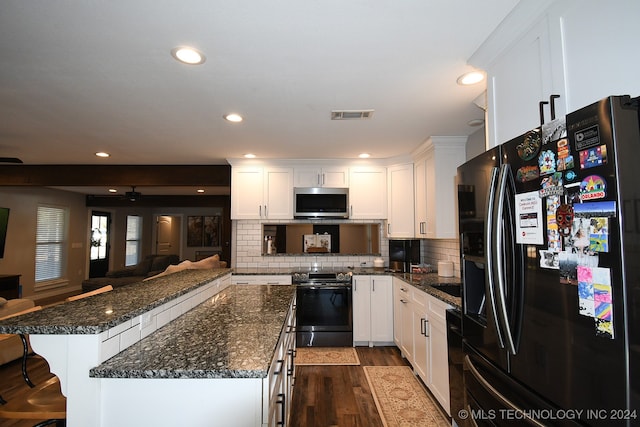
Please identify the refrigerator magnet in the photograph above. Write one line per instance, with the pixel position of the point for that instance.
(529, 147)
(604, 328)
(593, 187)
(529, 225)
(568, 263)
(599, 234)
(547, 162)
(593, 157)
(554, 130)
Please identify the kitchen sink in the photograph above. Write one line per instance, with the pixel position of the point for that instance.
(453, 290)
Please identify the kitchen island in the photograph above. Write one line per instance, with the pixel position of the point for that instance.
(186, 348)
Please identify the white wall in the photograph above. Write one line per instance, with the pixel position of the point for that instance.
(19, 255)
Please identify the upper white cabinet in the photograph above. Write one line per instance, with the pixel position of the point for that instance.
(436, 164)
(334, 177)
(400, 212)
(368, 192)
(564, 47)
(261, 192)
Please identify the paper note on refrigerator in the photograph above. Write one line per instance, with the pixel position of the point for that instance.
(529, 220)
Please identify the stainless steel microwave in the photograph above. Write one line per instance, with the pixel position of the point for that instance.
(320, 202)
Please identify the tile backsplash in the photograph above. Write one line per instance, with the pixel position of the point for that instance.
(247, 241)
(434, 250)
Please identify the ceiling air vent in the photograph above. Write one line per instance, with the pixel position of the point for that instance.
(351, 114)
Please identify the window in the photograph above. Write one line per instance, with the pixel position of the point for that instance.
(134, 235)
(51, 243)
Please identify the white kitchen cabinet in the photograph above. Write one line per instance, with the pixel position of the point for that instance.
(328, 176)
(436, 164)
(421, 334)
(546, 47)
(261, 192)
(400, 208)
(368, 192)
(403, 318)
(437, 357)
(372, 310)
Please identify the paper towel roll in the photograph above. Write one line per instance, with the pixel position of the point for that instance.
(445, 268)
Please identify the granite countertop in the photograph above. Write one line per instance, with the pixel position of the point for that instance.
(233, 335)
(99, 313)
(427, 282)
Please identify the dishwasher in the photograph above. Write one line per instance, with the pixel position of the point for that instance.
(455, 355)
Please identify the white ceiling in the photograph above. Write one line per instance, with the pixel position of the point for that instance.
(78, 77)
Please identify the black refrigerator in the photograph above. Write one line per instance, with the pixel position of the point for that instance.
(550, 254)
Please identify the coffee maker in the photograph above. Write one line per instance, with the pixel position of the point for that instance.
(403, 253)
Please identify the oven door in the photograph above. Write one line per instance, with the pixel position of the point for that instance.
(324, 316)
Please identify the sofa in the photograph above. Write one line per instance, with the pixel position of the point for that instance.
(149, 266)
(10, 344)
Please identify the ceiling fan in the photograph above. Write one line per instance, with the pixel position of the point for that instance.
(10, 160)
(133, 195)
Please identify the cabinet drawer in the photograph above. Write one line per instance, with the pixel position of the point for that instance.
(274, 279)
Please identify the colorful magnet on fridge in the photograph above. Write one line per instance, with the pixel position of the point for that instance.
(527, 173)
(599, 234)
(564, 219)
(596, 156)
(530, 146)
(604, 328)
(570, 175)
(593, 187)
(547, 162)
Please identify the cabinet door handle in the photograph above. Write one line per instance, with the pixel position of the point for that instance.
(280, 362)
(350, 210)
(281, 401)
(389, 228)
(291, 369)
(265, 211)
(373, 285)
(322, 179)
(425, 328)
(260, 211)
(403, 289)
(403, 301)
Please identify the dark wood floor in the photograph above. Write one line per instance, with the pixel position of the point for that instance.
(339, 395)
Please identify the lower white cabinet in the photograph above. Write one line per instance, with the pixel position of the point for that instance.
(279, 387)
(372, 310)
(421, 334)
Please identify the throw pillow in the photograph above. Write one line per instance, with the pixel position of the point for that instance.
(2, 301)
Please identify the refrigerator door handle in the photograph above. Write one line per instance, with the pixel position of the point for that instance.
(506, 188)
(497, 395)
(489, 250)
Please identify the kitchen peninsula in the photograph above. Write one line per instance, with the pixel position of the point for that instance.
(209, 364)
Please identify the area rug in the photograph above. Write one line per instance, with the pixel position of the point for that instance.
(326, 356)
(400, 398)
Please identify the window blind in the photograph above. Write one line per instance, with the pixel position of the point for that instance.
(134, 235)
(50, 243)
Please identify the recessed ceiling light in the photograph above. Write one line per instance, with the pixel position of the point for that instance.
(470, 78)
(233, 117)
(199, 190)
(188, 55)
(364, 155)
(113, 190)
(102, 154)
(249, 156)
